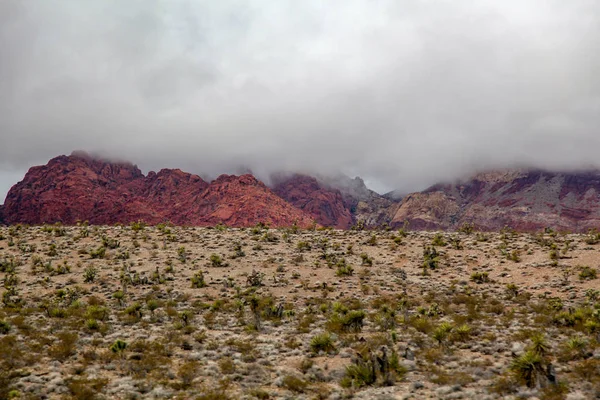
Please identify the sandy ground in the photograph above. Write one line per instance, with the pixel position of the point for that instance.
(453, 331)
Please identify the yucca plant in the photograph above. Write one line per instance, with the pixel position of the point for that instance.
(440, 334)
(322, 342)
(118, 347)
(528, 368)
(539, 345)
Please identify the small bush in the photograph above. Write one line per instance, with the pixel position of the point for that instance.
(100, 252)
(587, 273)
(4, 327)
(198, 280)
(322, 342)
(480, 277)
(294, 384)
(89, 275)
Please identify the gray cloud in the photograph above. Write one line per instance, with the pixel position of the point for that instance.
(403, 93)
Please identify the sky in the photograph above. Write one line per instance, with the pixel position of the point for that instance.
(404, 93)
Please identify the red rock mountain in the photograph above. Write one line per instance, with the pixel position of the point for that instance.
(526, 200)
(324, 204)
(79, 187)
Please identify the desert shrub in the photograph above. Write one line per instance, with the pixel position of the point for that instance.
(528, 368)
(64, 347)
(480, 277)
(85, 388)
(134, 310)
(110, 243)
(322, 342)
(92, 324)
(466, 228)
(430, 258)
(294, 383)
(593, 237)
(237, 250)
(226, 366)
(461, 333)
(352, 321)
(198, 280)
(587, 273)
(438, 240)
(152, 305)
(187, 372)
(372, 241)
(4, 327)
(182, 254)
(140, 226)
(100, 252)
(89, 274)
(369, 368)
(255, 279)
(119, 347)
(441, 333)
(514, 256)
(359, 375)
(511, 290)
(119, 295)
(217, 261)
(366, 260)
(344, 269)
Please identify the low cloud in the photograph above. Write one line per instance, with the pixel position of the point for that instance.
(402, 93)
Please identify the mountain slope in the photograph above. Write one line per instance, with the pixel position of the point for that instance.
(525, 200)
(80, 187)
(337, 201)
(324, 204)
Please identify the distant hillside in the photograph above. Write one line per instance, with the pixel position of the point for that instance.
(525, 200)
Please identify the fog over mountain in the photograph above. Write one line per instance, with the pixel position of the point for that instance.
(403, 93)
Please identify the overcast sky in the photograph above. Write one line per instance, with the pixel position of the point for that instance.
(401, 92)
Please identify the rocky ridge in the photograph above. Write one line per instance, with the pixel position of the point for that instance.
(525, 200)
(79, 187)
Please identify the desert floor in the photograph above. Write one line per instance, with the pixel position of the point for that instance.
(126, 312)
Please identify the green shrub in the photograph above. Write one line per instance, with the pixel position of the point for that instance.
(441, 333)
(480, 277)
(89, 274)
(100, 252)
(322, 342)
(294, 384)
(198, 280)
(527, 368)
(119, 347)
(344, 269)
(366, 260)
(4, 327)
(217, 261)
(587, 273)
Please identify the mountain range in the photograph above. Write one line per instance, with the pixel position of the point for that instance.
(81, 187)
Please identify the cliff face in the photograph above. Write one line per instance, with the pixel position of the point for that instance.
(79, 187)
(524, 200)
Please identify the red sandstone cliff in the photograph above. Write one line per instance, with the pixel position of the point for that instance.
(79, 187)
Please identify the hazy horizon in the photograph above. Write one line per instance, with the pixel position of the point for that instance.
(402, 93)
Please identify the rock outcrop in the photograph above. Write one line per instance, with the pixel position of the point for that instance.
(526, 200)
(364, 204)
(83, 188)
(324, 204)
